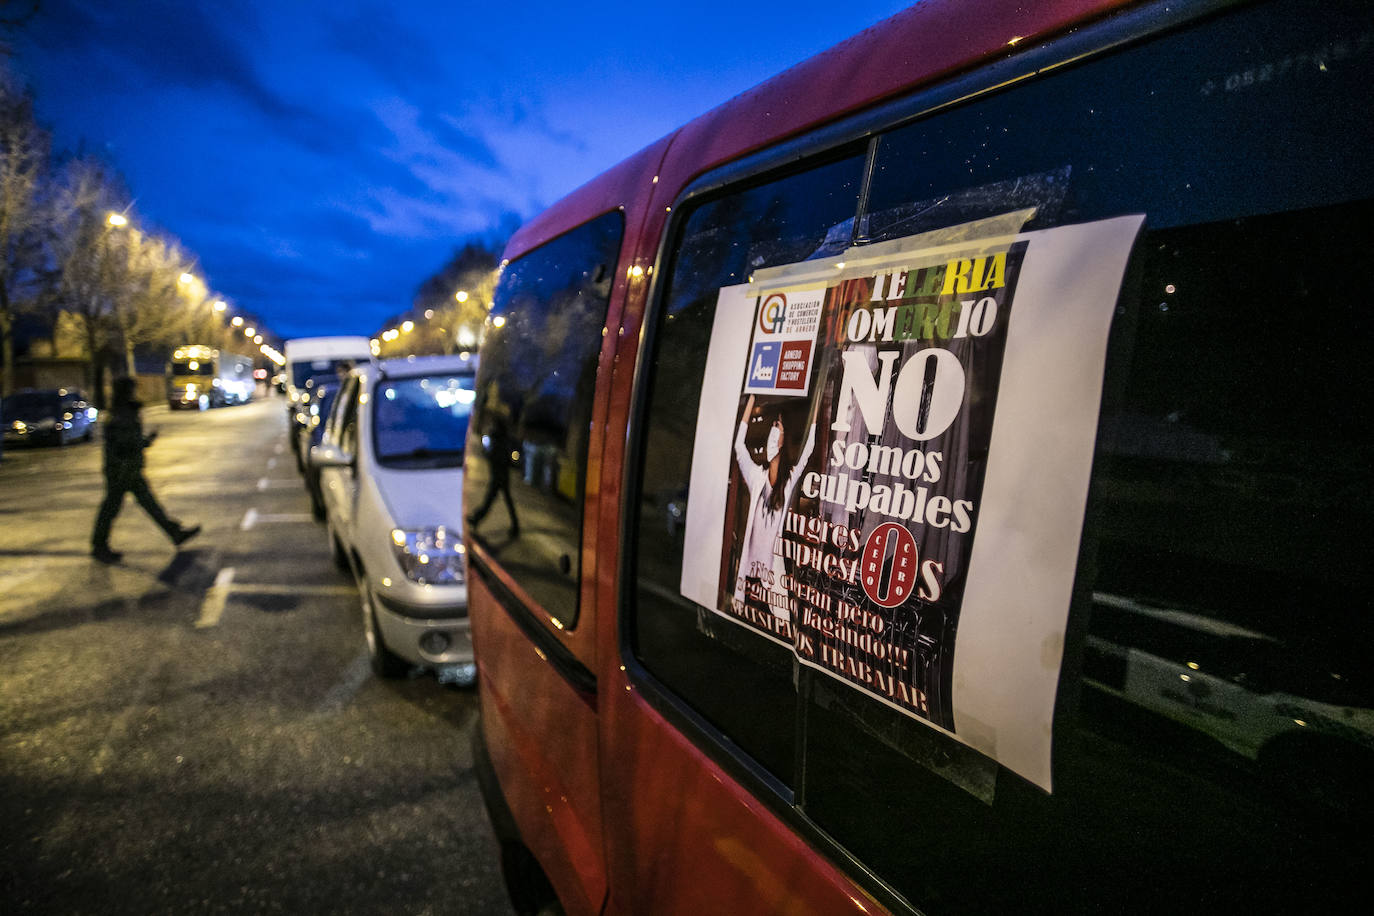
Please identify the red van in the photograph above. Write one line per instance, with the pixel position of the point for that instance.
(937, 480)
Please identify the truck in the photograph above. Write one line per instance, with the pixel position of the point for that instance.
(200, 377)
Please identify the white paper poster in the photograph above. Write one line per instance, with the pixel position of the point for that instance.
(891, 465)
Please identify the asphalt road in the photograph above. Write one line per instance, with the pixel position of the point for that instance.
(199, 731)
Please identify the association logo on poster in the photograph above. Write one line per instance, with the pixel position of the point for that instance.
(784, 342)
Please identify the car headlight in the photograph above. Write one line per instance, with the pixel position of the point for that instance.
(433, 556)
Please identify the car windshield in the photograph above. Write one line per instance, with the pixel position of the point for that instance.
(422, 422)
(27, 403)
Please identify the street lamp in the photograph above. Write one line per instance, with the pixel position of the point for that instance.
(117, 220)
(186, 278)
(249, 331)
(407, 326)
(237, 321)
(461, 295)
(220, 305)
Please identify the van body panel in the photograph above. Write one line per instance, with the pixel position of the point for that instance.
(689, 837)
(611, 784)
(542, 737)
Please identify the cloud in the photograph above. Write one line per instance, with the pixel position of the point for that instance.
(372, 34)
(164, 43)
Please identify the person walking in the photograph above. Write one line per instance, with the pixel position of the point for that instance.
(124, 445)
(498, 444)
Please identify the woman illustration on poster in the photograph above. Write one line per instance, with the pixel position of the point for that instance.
(770, 493)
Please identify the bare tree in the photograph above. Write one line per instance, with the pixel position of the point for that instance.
(25, 217)
(155, 296)
(90, 268)
(451, 305)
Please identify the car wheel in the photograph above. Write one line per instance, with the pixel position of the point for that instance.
(385, 663)
(316, 500)
(336, 551)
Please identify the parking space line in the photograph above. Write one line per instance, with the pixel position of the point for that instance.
(212, 608)
(217, 596)
(265, 483)
(271, 463)
(250, 518)
(247, 588)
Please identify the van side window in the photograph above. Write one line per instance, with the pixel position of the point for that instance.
(739, 681)
(348, 421)
(1216, 710)
(527, 456)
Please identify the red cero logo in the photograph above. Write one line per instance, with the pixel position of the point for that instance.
(889, 539)
(772, 313)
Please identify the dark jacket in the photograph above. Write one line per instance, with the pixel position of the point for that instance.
(124, 440)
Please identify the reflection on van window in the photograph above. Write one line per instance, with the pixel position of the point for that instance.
(526, 462)
(1234, 497)
(422, 422)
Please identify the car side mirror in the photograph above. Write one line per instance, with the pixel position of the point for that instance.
(330, 456)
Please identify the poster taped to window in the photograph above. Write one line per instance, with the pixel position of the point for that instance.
(897, 491)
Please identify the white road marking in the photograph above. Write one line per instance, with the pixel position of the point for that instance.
(279, 484)
(279, 449)
(268, 518)
(250, 518)
(217, 596)
(212, 608)
(246, 588)
(271, 463)
(354, 676)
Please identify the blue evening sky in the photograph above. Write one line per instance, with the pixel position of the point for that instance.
(322, 159)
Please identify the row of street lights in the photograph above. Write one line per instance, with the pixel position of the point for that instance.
(188, 279)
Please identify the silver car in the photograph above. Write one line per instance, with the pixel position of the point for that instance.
(390, 463)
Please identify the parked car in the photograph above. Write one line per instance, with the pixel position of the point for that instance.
(54, 416)
(390, 464)
(308, 423)
(806, 435)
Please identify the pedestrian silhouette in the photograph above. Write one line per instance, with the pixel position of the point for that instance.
(497, 447)
(124, 445)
